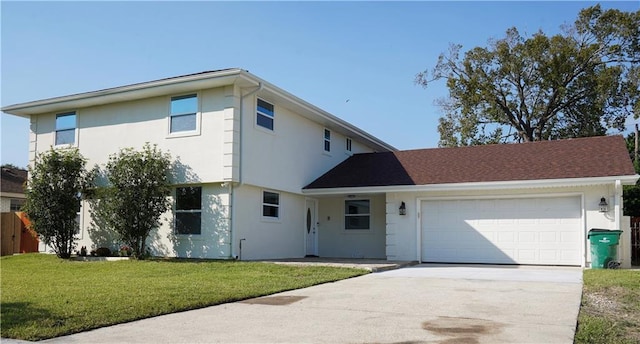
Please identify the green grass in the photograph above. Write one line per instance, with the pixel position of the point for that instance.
(44, 297)
(610, 310)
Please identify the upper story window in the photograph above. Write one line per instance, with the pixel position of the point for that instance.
(327, 140)
(348, 145)
(265, 114)
(357, 214)
(188, 210)
(66, 128)
(184, 110)
(270, 204)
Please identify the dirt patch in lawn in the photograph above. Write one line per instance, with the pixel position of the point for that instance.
(610, 314)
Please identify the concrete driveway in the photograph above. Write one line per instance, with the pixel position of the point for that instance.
(419, 304)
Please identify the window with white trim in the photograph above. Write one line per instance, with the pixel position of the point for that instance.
(183, 113)
(348, 145)
(357, 214)
(264, 114)
(270, 204)
(188, 215)
(327, 140)
(66, 128)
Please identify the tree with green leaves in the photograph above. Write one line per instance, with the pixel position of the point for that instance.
(54, 191)
(631, 194)
(581, 82)
(131, 193)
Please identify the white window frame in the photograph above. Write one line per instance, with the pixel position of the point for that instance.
(260, 113)
(75, 129)
(185, 211)
(198, 114)
(274, 205)
(348, 146)
(346, 215)
(326, 140)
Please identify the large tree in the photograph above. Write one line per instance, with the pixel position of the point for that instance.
(53, 193)
(578, 83)
(131, 193)
(632, 192)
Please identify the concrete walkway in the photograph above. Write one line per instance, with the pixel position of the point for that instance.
(419, 304)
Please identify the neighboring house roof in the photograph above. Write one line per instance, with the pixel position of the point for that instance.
(573, 158)
(13, 180)
(189, 83)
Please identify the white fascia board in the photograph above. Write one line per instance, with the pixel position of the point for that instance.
(500, 185)
(12, 195)
(125, 93)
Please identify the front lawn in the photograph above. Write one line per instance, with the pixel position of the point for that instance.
(610, 310)
(43, 296)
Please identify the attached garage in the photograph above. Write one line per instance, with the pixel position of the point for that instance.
(530, 203)
(541, 230)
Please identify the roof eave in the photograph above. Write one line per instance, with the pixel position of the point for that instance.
(125, 93)
(497, 185)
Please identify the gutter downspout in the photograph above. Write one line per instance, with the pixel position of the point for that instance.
(240, 180)
(616, 204)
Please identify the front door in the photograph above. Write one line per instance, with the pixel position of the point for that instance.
(311, 228)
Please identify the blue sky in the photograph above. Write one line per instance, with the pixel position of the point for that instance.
(323, 52)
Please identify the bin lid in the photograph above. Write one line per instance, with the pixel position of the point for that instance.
(597, 232)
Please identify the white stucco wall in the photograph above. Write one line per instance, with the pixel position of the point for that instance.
(213, 242)
(104, 130)
(402, 230)
(5, 204)
(335, 241)
(292, 155)
(266, 238)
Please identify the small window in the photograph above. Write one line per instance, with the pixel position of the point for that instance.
(357, 214)
(16, 204)
(265, 115)
(348, 147)
(327, 140)
(66, 128)
(188, 210)
(184, 110)
(270, 204)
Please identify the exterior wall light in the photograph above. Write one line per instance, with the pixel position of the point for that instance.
(402, 209)
(604, 206)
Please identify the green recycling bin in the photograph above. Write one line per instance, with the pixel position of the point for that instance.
(604, 248)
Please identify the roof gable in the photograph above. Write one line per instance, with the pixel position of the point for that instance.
(574, 158)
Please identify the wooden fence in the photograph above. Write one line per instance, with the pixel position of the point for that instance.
(15, 235)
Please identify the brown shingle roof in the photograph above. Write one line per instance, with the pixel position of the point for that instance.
(13, 180)
(574, 158)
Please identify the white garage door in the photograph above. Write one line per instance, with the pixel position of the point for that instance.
(503, 231)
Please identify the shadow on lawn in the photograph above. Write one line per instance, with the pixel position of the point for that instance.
(20, 315)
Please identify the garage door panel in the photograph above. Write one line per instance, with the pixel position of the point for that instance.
(549, 237)
(508, 231)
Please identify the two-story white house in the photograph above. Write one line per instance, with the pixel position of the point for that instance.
(263, 174)
(246, 149)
